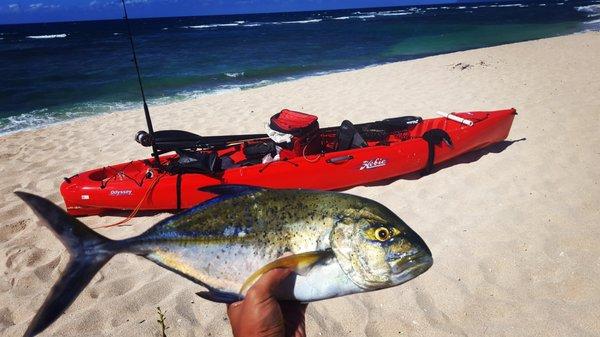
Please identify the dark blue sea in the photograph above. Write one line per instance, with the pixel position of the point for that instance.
(60, 71)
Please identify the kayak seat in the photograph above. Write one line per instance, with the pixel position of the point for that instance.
(348, 137)
(196, 162)
(255, 153)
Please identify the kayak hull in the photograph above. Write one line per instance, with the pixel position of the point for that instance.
(140, 185)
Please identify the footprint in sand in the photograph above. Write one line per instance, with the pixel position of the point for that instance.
(24, 256)
(7, 232)
(436, 317)
(44, 271)
(6, 319)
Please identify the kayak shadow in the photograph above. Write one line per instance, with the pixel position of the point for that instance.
(127, 213)
(465, 158)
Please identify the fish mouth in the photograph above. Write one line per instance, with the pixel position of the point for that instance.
(408, 268)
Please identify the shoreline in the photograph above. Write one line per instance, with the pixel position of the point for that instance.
(193, 95)
(513, 228)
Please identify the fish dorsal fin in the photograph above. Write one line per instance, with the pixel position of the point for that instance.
(300, 263)
(230, 189)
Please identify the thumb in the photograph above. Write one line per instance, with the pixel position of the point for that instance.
(267, 283)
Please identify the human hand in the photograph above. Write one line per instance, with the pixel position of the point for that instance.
(261, 315)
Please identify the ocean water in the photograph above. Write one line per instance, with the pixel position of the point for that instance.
(60, 71)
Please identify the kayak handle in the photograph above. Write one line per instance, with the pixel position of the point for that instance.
(338, 160)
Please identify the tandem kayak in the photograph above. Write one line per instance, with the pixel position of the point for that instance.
(294, 153)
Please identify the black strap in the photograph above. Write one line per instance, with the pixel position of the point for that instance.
(434, 137)
(178, 187)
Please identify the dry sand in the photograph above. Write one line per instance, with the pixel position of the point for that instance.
(513, 229)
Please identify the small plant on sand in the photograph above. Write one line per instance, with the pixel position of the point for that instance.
(161, 320)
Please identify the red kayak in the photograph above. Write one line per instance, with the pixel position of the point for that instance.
(296, 153)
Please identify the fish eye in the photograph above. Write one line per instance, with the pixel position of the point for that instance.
(382, 234)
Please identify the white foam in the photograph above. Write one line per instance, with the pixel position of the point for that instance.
(234, 74)
(592, 10)
(299, 21)
(342, 18)
(26, 121)
(393, 13)
(367, 16)
(253, 24)
(53, 36)
(212, 25)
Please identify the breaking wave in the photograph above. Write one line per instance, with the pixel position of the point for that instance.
(30, 120)
(371, 15)
(234, 75)
(212, 25)
(592, 10)
(53, 36)
(513, 5)
(250, 24)
(299, 21)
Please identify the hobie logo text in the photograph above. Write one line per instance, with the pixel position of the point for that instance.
(373, 163)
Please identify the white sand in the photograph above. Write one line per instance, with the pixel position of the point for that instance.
(514, 233)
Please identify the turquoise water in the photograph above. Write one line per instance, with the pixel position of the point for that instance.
(60, 71)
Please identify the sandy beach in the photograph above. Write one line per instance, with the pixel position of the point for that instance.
(513, 228)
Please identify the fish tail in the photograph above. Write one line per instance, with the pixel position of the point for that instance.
(89, 252)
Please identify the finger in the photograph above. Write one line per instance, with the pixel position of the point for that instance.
(294, 316)
(267, 283)
(293, 309)
(234, 310)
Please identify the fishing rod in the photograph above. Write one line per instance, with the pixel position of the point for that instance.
(139, 77)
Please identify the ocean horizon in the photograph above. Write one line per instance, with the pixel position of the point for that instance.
(54, 72)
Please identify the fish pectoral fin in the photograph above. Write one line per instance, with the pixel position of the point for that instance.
(219, 297)
(299, 263)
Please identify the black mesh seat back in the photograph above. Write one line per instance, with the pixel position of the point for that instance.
(198, 162)
(259, 150)
(348, 137)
